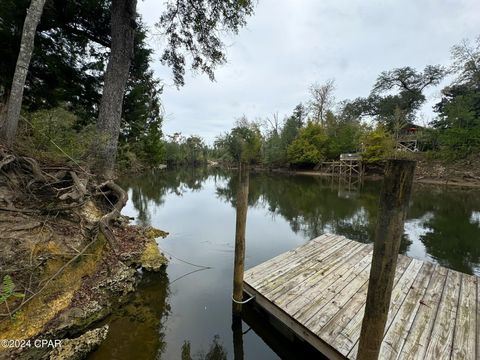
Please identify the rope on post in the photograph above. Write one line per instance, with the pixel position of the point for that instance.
(243, 302)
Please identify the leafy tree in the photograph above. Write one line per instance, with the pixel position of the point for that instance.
(344, 137)
(244, 142)
(292, 125)
(278, 140)
(378, 145)
(141, 130)
(67, 67)
(309, 147)
(466, 63)
(195, 150)
(60, 72)
(194, 28)
(273, 150)
(409, 84)
(459, 108)
(181, 150)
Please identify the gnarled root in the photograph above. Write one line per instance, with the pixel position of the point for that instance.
(122, 198)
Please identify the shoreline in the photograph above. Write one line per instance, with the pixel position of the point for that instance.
(417, 180)
(68, 256)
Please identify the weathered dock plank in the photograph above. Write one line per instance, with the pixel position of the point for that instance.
(441, 339)
(356, 304)
(419, 333)
(399, 294)
(465, 326)
(319, 291)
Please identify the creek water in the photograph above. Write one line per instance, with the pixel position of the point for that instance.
(184, 312)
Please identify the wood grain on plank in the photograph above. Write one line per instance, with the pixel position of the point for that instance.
(441, 337)
(291, 255)
(419, 333)
(464, 340)
(303, 265)
(355, 305)
(321, 288)
(303, 254)
(348, 338)
(305, 292)
(333, 301)
(397, 331)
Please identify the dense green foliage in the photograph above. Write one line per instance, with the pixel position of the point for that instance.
(310, 145)
(297, 142)
(181, 150)
(48, 131)
(398, 91)
(242, 144)
(192, 30)
(378, 145)
(66, 71)
(458, 124)
(374, 125)
(65, 81)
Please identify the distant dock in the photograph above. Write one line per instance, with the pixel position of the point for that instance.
(319, 291)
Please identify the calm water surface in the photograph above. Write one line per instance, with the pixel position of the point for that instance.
(183, 313)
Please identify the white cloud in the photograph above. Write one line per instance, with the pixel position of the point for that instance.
(289, 44)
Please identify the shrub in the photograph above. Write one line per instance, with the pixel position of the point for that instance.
(377, 146)
(50, 134)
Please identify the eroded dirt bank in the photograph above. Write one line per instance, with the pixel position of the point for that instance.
(67, 257)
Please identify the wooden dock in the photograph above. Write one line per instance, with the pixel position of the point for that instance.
(319, 290)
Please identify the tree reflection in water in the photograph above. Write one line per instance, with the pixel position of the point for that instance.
(314, 205)
(215, 352)
(444, 223)
(136, 330)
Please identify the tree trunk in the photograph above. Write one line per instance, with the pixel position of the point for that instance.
(394, 199)
(241, 222)
(116, 76)
(14, 103)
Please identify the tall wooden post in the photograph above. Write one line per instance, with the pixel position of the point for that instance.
(394, 199)
(239, 262)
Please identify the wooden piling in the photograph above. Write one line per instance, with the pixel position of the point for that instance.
(239, 262)
(394, 199)
(237, 338)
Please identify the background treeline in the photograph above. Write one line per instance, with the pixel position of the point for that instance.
(75, 75)
(322, 129)
(66, 79)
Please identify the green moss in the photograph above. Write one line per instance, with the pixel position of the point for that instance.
(152, 259)
(153, 233)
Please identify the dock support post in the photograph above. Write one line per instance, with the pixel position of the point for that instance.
(239, 262)
(237, 338)
(394, 198)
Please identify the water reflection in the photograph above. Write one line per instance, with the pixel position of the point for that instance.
(444, 221)
(190, 316)
(148, 190)
(136, 330)
(215, 352)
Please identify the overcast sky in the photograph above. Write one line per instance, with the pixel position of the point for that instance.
(289, 44)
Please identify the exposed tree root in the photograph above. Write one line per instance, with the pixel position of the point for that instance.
(43, 193)
(122, 198)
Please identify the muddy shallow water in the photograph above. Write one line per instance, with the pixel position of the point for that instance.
(185, 312)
